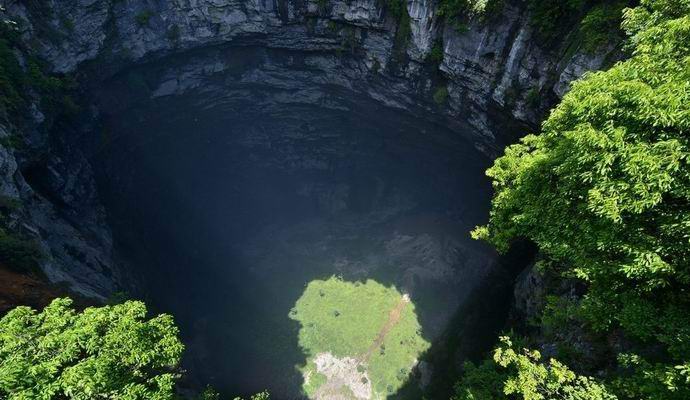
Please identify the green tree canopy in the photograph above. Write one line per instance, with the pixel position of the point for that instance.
(111, 352)
(527, 377)
(604, 191)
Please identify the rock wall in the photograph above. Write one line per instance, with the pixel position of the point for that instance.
(488, 68)
(57, 207)
(489, 73)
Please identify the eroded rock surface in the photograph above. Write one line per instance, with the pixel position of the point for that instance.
(307, 54)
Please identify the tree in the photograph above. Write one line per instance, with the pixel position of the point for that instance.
(526, 377)
(111, 352)
(604, 191)
(481, 382)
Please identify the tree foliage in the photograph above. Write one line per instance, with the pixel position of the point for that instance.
(24, 79)
(111, 352)
(524, 375)
(11, 82)
(604, 191)
(481, 382)
(452, 9)
(601, 24)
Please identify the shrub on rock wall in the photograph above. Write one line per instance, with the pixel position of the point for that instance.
(453, 9)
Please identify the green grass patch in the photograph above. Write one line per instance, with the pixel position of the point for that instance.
(347, 319)
(315, 380)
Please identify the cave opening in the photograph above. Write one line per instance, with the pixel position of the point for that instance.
(232, 182)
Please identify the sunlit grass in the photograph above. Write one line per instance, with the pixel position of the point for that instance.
(357, 320)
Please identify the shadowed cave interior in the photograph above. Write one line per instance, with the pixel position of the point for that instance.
(229, 194)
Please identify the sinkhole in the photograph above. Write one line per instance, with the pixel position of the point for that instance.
(234, 179)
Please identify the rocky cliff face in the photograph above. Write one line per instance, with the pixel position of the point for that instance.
(490, 67)
(57, 207)
(494, 80)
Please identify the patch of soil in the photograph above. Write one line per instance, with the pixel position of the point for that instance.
(344, 380)
(393, 319)
(18, 289)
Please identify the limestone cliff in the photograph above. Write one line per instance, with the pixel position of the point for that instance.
(484, 87)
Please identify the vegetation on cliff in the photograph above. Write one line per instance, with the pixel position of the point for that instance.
(23, 80)
(551, 20)
(604, 191)
(25, 89)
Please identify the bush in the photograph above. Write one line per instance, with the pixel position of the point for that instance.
(522, 374)
(17, 84)
(533, 98)
(441, 95)
(455, 9)
(397, 8)
(533, 380)
(600, 24)
(403, 31)
(436, 54)
(11, 73)
(559, 312)
(548, 16)
(110, 352)
(481, 382)
(18, 253)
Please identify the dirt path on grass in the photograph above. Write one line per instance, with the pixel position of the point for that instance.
(344, 378)
(393, 319)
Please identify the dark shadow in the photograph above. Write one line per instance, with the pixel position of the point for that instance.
(230, 196)
(473, 332)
